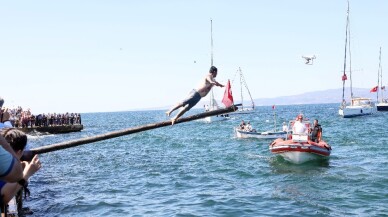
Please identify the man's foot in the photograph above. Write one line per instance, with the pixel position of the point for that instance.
(173, 121)
(168, 113)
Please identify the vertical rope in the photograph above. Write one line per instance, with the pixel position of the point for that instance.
(246, 86)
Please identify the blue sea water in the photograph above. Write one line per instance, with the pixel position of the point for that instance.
(200, 169)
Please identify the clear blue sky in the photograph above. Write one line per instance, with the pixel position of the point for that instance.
(95, 56)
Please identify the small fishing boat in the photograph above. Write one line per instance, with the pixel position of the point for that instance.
(298, 148)
(240, 133)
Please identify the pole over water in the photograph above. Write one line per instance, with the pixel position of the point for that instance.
(28, 155)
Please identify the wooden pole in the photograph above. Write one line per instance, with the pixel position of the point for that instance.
(28, 155)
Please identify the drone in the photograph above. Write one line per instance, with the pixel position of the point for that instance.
(309, 59)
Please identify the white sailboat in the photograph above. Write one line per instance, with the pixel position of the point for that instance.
(358, 106)
(244, 109)
(382, 103)
(213, 103)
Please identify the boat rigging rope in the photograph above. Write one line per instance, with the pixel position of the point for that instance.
(243, 82)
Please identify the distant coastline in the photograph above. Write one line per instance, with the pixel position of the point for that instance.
(314, 97)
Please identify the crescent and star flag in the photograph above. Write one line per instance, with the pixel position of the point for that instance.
(344, 77)
(228, 97)
(273, 106)
(374, 89)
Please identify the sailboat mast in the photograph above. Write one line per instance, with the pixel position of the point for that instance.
(381, 81)
(241, 89)
(350, 68)
(346, 44)
(379, 75)
(211, 42)
(211, 60)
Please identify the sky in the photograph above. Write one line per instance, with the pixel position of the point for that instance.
(101, 56)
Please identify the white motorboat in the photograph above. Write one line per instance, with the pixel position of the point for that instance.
(298, 148)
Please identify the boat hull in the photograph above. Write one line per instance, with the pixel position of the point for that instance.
(260, 135)
(299, 153)
(211, 119)
(382, 107)
(354, 111)
(243, 111)
(54, 129)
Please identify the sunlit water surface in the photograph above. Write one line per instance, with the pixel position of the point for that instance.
(200, 169)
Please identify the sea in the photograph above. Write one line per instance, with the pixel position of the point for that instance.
(202, 169)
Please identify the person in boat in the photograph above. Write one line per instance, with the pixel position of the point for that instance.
(206, 108)
(316, 132)
(248, 127)
(242, 125)
(196, 94)
(285, 127)
(299, 127)
(343, 105)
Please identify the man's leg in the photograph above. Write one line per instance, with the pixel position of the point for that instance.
(181, 112)
(168, 113)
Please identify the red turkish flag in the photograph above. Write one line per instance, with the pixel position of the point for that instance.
(344, 77)
(228, 97)
(273, 106)
(374, 89)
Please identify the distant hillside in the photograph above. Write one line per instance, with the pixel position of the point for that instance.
(316, 97)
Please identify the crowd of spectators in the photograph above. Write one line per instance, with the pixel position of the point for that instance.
(19, 118)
